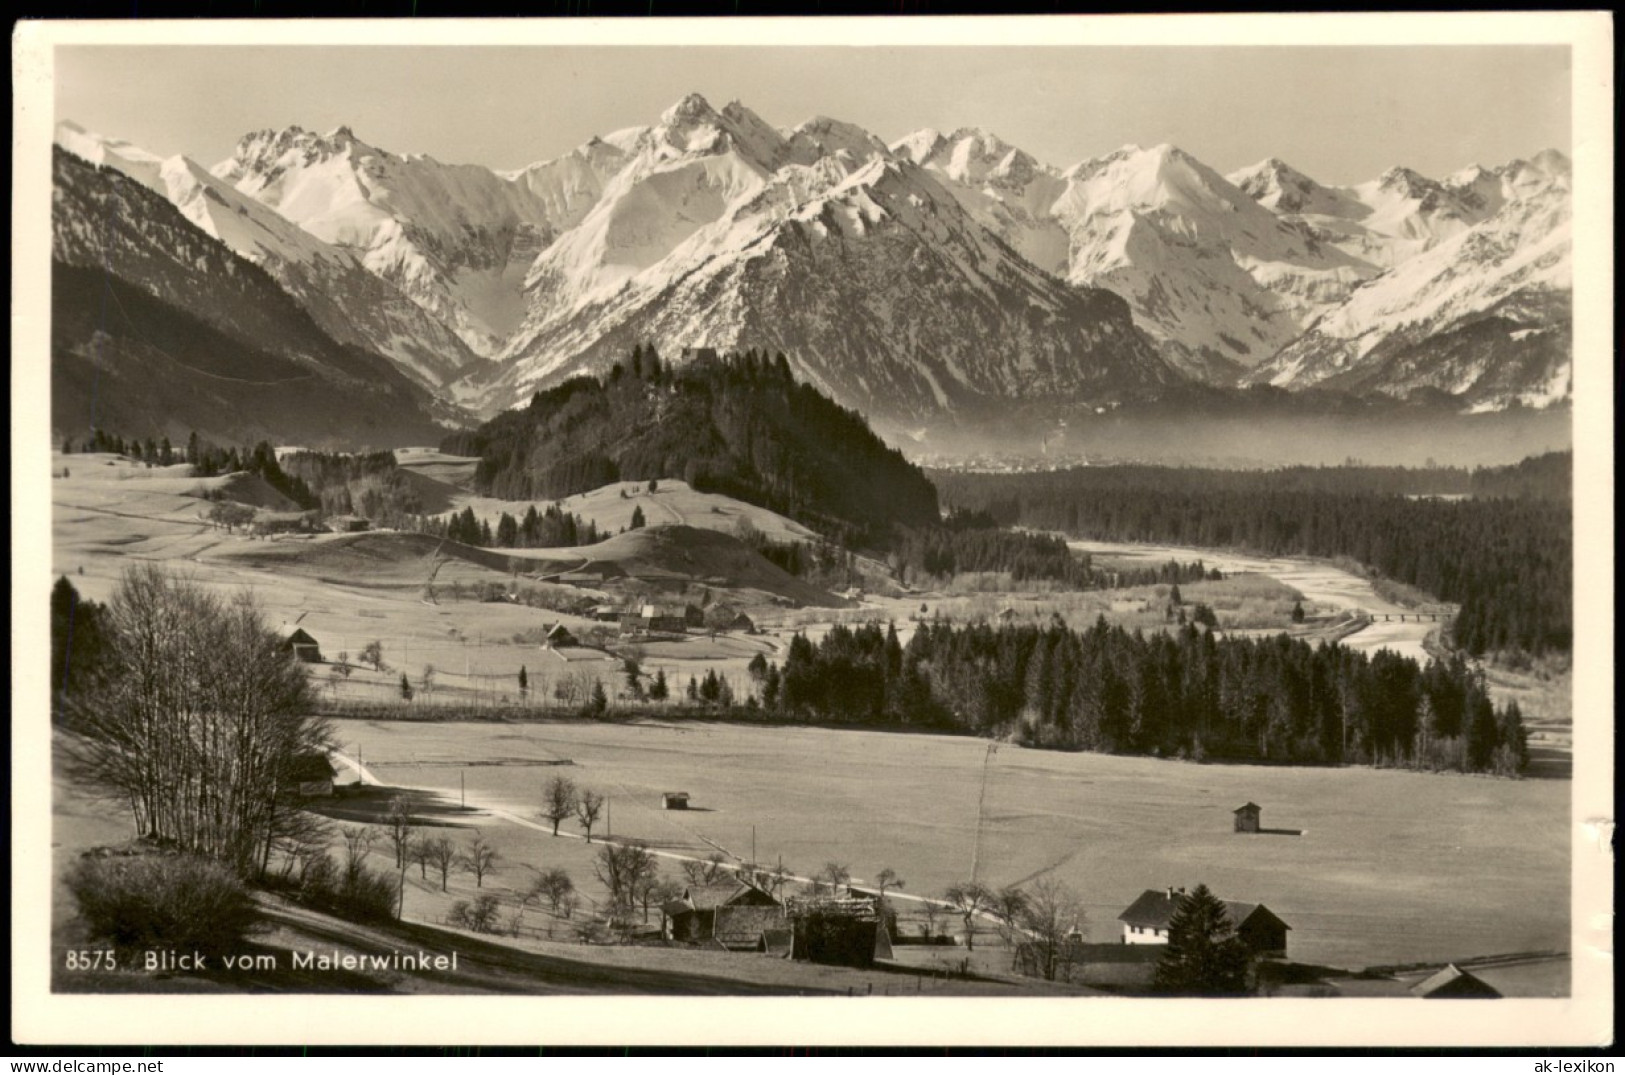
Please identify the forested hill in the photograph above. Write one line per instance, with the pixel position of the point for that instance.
(738, 425)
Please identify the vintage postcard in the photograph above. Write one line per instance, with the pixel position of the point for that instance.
(1006, 531)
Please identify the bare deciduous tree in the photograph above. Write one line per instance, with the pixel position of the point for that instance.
(589, 804)
(931, 912)
(358, 841)
(708, 872)
(198, 720)
(1009, 905)
(568, 904)
(835, 874)
(970, 899)
(647, 888)
(558, 800)
(421, 854)
(398, 827)
(553, 885)
(440, 853)
(621, 867)
(1052, 917)
(480, 859)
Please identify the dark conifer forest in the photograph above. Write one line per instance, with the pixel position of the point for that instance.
(1505, 555)
(1185, 694)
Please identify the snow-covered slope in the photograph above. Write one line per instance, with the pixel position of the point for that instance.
(456, 239)
(945, 272)
(98, 149)
(350, 303)
(1217, 276)
(1383, 222)
(1004, 188)
(1220, 281)
(159, 326)
(1481, 312)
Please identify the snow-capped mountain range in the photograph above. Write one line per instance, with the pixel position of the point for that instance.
(942, 273)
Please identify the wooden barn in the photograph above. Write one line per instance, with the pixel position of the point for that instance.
(559, 635)
(674, 800)
(844, 932)
(732, 914)
(298, 641)
(1247, 817)
(663, 619)
(310, 776)
(1453, 983)
(1145, 921)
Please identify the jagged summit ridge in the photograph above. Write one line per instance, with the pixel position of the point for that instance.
(687, 230)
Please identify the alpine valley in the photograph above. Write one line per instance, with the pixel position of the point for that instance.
(732, 559)
(945, 278)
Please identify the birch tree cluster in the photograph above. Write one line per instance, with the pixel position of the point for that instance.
(197, 719)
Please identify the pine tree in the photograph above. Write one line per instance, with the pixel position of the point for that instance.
(1204, 957)
(524, 682)
(507, 532)
(638, 521)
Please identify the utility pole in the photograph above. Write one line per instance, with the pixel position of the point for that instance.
(981, 805)
(462, 783)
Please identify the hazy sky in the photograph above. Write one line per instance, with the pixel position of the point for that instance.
(1342, 115)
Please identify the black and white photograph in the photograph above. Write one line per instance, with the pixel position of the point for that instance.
(1048, 530)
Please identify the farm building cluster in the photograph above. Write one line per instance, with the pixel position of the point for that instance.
(737, 916)
(1146, 921)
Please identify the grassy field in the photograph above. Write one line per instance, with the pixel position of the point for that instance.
(1390, 867)
(547, 956)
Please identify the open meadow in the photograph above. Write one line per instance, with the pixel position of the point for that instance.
(1390, 866)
